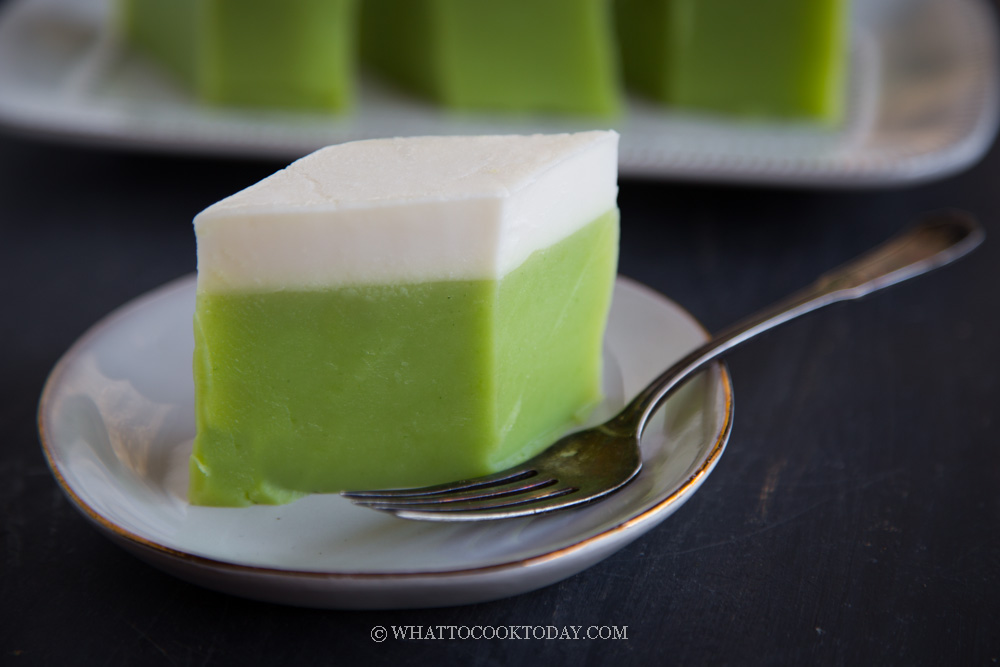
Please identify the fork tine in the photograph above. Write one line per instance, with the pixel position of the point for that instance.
(536, 495)
(474, 493)
(496, 479)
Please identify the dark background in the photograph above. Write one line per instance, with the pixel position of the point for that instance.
(854, 519)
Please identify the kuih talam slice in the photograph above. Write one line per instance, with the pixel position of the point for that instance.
(401, 312)
(295, 54)
(548, 56)
(784, 59)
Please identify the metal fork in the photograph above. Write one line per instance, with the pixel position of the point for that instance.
(590, 464)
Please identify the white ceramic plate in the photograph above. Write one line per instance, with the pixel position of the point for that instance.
(117, 422)
(923, 104)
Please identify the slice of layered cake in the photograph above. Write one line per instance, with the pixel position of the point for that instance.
(784, 59)
(257, 53)
(401, 312)
(511, 55)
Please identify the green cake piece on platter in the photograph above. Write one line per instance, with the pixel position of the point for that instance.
(401, 312)
(513, 56)
(784, 59)
(297, 54)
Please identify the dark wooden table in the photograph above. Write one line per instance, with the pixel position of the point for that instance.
(854, 519)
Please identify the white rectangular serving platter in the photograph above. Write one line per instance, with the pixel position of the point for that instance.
(923, 104)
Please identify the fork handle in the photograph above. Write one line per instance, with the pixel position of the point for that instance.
(940, 239)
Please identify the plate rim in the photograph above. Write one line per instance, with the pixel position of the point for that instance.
(133, 540)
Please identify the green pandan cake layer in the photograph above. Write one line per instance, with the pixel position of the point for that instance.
(397, 385)
(295, 53)
(514, 55)
(763, 58)
(292, 54)
(166, 30)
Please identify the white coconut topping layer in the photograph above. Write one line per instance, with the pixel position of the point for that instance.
(407, 210)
